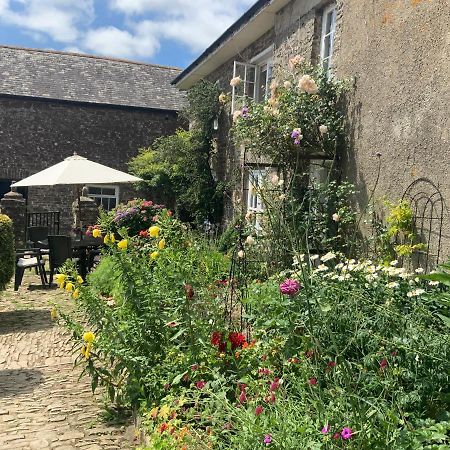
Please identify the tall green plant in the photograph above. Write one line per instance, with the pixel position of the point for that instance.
(6, 250)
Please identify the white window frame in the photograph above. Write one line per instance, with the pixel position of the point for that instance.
(102, 196)
(328, 58)
(255, 203)
(246, 82)
(263, 59)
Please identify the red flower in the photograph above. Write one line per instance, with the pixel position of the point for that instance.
(170, 213)
(216, 338)
(242, 397)
(189, 291)
(383, 364)
(237, 340)
(309, 353)
(258, 410)
(394, 353)
(312, 381)
(143, 233)
(163, 427)
(331, 364)
(264, 371)
(200, 384)
(336, 435)
(194, 367)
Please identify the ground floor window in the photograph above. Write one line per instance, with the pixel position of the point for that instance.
(105, 196)
(255, 204)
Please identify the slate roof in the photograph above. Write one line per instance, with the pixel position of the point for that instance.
(88, 79)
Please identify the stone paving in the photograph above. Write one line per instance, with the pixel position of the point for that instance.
(43, 403)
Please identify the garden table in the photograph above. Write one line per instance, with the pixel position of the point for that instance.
(85, 249)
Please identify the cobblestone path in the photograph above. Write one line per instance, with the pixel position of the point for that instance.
(43, 404)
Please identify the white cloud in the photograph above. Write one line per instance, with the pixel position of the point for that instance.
(58, 19)
(196, 27)
(111, 41)
(145, 23)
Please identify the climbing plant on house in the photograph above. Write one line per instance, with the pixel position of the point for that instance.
(176, 168)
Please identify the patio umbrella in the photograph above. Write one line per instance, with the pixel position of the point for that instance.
(78, 171)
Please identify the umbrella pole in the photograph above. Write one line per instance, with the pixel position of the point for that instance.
(79, 211)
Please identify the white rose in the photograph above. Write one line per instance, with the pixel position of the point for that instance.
(287, 84)
(336, 217)
(250, 240)
(236, 81)
(274, 179)
(236, 115)
(323, 129)
(241, 254)
(308, 85)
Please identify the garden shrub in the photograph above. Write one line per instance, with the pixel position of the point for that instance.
(7, 258)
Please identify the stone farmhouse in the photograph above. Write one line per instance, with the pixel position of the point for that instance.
(53, 104)
(394, 53)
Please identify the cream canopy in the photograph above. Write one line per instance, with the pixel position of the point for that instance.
(77, 170)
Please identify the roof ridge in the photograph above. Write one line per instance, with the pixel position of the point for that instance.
(83, 55)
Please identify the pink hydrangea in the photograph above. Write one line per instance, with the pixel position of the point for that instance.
(290, 287)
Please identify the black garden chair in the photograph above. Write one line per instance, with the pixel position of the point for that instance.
(27, 259)
(60, 250)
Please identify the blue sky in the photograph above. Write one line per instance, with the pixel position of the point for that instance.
(168, 32)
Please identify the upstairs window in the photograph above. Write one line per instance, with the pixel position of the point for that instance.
(327, 40)
(105, 196)
(255, 80)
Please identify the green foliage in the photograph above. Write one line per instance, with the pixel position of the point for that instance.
(266, 128)
(176, 168)
(397, 238)
(7, 259)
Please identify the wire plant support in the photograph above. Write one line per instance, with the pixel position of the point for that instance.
(427, 204)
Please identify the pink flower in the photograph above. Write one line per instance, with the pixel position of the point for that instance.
(258, 410)
(325, 429)
(194, 367)
(312, 381)
(267, 439)
(346, 433)
(275, 384)
(242, 397)
(200, 384)
(290, 287)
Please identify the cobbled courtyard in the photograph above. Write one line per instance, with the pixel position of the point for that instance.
(43, 403)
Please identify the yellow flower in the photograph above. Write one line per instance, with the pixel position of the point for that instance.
(76, 293)
(106, 239)
(86, 351)
(60, 277)
(80, 279)
(89, 337)
(54, 313)
(112, 238)
(154, 231)
(161, 244)
(96, 233)
(154, 412)
(69, 287)
(123, 244)
(61, 285)
(164, 412)
(154, 255)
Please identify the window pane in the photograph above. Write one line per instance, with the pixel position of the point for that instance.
(112, 203)
(329, 22)
(105, 203)
(95, 190)
(108, 191)
(327, 46)
(262, 83)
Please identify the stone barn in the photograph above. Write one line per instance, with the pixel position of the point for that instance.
(53, 104)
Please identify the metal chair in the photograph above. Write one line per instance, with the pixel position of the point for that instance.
(60, 250)
(27, 259)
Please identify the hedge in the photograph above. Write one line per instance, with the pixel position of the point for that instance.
(7, 259)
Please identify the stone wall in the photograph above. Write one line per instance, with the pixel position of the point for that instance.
(395, 54)
(35, 134)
